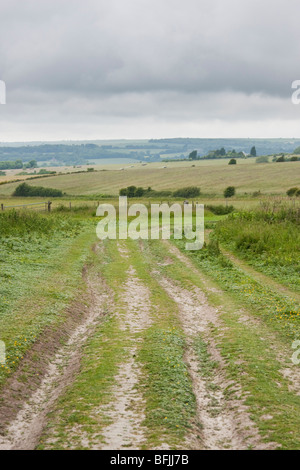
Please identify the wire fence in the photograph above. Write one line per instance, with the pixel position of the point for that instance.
(40, 206)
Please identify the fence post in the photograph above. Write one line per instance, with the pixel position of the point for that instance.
(70, 205)
(49, 206)
(2, 207)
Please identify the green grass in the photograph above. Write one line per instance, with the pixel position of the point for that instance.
(249, 349)
(206, 365)
(268, 241)
(170, 401)
(35, 251)
(279, 311)
(252, 362)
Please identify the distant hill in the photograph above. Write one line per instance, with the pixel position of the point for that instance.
(203, 146)
(74, 153)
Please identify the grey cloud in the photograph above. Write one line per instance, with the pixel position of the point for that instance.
(162, 59)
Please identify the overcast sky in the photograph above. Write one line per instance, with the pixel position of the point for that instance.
(102, 69)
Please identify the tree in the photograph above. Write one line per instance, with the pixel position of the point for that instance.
(131, 191)
(262, 159)
(232, 161)
(292, 192)
(193, 155)
(229, 192)
(297, 151)
(139, 192)
(10, 165)
(253, 152)
(31, 164)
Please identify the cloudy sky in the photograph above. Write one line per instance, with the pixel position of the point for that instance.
(99, 69)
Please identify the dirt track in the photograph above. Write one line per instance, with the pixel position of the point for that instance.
(223, 423)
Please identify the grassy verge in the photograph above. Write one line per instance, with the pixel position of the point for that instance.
(280, 312)
(36, 250)
(249, 348)
(268, 239)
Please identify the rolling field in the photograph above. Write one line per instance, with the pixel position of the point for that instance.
(211, 176)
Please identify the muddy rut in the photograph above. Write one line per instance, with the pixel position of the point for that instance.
(226, 423)
(24, 431)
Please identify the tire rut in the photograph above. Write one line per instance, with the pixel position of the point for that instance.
(226, 422)
(126, 410)
(24, 431)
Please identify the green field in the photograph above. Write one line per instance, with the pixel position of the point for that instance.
(211, 176)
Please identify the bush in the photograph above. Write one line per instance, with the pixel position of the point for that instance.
(42, 172)
(292, 192)
(262, 159)
(281, 159)
(213, 248)
(132, 191)
(232, 161)
(294, 159)
(188, 192)
(220, 210)
(123, 192)
(24, 190)
(229, 192)
(250, 241)
(139, 192)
